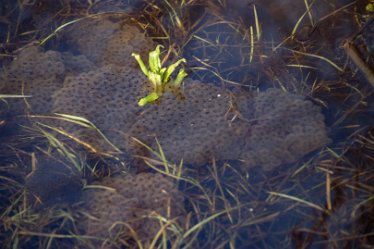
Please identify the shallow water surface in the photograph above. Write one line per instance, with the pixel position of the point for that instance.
(268, 143)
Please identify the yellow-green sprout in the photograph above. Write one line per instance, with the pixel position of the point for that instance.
(159, 76)
(370, 6)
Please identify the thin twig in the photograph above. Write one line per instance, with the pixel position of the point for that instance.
(355, 56)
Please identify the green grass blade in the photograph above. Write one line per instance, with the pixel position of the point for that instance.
(199, 225)
(143, 67)
(162, 156)
(61, 148)
(180, 77)
(298, 23)
(307, 203)
(91, 125)
(321, 58)
(252, 44)
(156, 81)
(258, 26)
(175, 176)
(171, 69)
(43, 41)
(148, 99)
(79, 121)
(11, 96)
(154, 60)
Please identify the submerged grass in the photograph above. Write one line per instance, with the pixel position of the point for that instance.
(82, 122)
(228, 207)
(27, 227)
(296, 199)
(171, 170)
(222, 212)
(13, 96)
(206, 206)
(182, 27)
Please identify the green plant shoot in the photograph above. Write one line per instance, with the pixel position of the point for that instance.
(159, 76)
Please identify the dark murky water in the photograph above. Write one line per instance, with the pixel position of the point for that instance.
(285, 168)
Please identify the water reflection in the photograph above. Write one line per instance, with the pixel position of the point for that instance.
(260, 169)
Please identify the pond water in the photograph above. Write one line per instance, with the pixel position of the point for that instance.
(267, 143)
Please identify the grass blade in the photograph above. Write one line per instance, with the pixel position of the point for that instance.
(307, 203)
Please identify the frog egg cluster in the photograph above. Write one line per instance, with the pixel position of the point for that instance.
(75, 64)
(114, 6)
(116, 204)
(33, 63)
(194, 127)
(107, 42)
(38, 74)
(196, 123)
(107, 97)
(35, 73)
(285, 128)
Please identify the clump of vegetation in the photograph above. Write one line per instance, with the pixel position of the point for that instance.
(158, 76)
